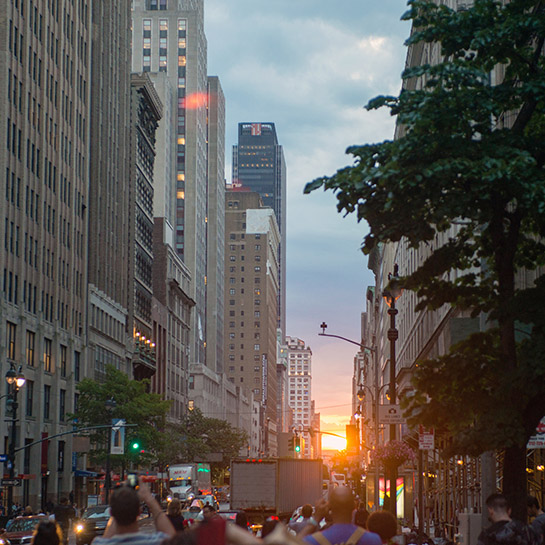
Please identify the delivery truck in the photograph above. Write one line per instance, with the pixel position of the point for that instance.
(275, 486)
(189, 480)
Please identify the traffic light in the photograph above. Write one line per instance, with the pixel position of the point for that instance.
(298, 444)
(291, 444)
(135, 446)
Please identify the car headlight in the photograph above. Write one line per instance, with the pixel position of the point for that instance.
(79, 528)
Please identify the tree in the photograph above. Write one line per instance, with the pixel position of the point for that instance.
(196, 436)
(134, 404)
(470, 153)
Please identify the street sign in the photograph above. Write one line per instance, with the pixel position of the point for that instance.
(4, 457)
(390, 414)
(11, 482)
(538, 439)
(426, 438)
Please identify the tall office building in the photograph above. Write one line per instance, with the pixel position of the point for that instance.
(44, 159)
(300, 388)
(110, 333)
(251, 279)
(259, 165)
(169, 43)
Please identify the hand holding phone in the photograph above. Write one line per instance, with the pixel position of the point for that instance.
(132, 480)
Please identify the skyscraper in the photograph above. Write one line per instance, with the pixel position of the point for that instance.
(259, 165)
(44, 160)
(251, 273)
(169, 42)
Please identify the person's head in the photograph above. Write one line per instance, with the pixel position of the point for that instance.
(341, 504)
(382, 523)
(47, 533)
(533, 506)
(174, 507)
(306, 510)
(241, 519)
(361, 516)
(498, 508)
(63, 501)
(28, 510)
(208, 512)
(125, 505)
(269, 525)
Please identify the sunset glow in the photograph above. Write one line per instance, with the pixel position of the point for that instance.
(331, 442)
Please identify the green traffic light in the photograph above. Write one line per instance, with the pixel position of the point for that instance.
(135, 445)
(297, 448)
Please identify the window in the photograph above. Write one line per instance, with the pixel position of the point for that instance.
(29, 387)
(76, 367)
(60, 460)
(258, 247)
(47, 401)
(47, 355)
(256, 347)
(257, 369)
(231, 291)
(256, 314)
(62, 405)
(64, 351)
(257, 291)
(30, 342)
(11, 339)
(257, 268)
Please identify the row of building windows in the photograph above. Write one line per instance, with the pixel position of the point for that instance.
(48, 358)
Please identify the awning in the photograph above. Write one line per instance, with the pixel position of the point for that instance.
(84, 473)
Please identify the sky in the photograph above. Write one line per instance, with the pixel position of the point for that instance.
(310, 66)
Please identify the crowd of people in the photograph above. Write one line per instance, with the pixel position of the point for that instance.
(336, 521)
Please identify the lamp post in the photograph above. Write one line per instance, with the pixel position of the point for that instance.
(375, 401)
(15, 380)
(110, 405)
(391, 294)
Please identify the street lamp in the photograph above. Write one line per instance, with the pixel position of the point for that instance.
(110, 405)
(15, 380)
(391, 294)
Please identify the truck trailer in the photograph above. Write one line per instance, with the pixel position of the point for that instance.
(275, 486)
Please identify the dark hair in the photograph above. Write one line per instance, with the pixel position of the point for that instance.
(497, 502)
(47, 532)
(208, 507)
(531, 501)
(382, 523)
(306, 510)
(341, 501)
(125, 505)
(241, 520)
(268, 526)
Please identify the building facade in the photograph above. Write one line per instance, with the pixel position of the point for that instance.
(251, 280)
(45, 80)
(300, 389)
(259, 165)
(110, 194)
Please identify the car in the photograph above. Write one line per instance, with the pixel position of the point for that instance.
(228, 515)
(209, 499)
(92, 523)
(19, 530)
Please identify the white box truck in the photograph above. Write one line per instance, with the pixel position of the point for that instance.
(189, 480)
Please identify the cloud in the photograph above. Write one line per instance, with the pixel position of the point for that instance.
(310, 66)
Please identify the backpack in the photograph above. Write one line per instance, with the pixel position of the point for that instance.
(352, 540)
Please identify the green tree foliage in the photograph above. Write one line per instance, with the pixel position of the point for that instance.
(134, 404)
(196, 436)
(469, 160)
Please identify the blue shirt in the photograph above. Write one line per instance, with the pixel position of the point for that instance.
(339, 533)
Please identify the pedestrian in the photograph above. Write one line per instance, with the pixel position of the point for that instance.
(28, 511)
(340, 507)
(534, 510)
(361, 515)
(174, 513)
(504, 530)
(47, 532)
(123, 525)
(384, 524)
(213, 530)
(64, 513)
(298, 524)
(241, 519)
